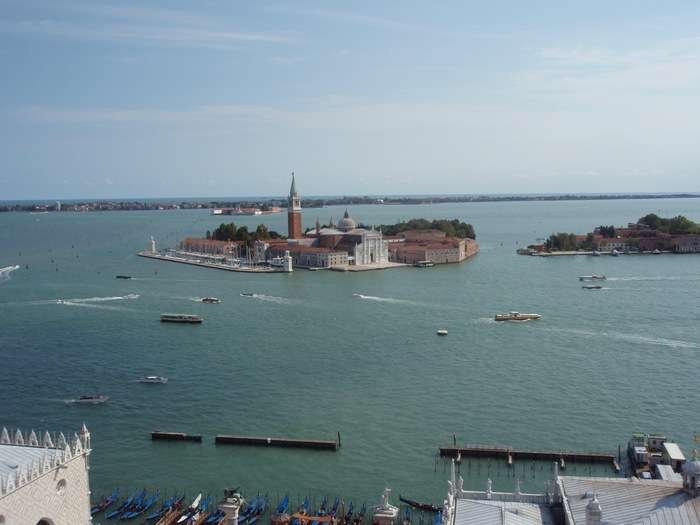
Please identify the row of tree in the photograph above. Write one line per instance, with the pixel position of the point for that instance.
(675, 225)
(229, 232)
(452, 228)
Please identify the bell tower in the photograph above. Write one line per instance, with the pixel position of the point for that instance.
(294, 212)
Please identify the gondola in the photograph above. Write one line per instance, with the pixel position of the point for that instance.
(418, 505)
(104, 503)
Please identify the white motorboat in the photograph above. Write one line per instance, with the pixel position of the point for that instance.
(442, 331)
(153, 379)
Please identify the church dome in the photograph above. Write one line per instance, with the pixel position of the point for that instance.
(691, 468)
(347, 223)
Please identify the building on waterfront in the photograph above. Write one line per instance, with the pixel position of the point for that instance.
(210, 246)
(44, 480)
(575, 500)
(414, 246)
(294, 227)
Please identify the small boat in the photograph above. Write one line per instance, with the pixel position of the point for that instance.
(211, 300)
(169, 504)
(591, 287)
(595, 253)
(123, 277)
(438, 518)
(247, 294)
(360, 516)
(153, 379)
(418, 505)
(593, 277)
(104, 503)
(302, 510)
(424, 264)
(656, 252)
(189, 512)
(615, 253)
(128, 503)
(407, 516)
(92, 399)
(442, 331)
(517, 316)
(181, 318)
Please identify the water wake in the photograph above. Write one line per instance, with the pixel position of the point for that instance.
(391, 300)
(657, 278)
(105, 299)
(268, 298)
(632, 338)
(6, 271)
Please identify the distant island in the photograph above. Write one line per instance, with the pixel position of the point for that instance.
(650, 234)
(274, 205)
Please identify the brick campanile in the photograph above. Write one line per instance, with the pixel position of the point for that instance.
(294, 213)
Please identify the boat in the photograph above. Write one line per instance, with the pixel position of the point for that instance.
(128, 503)
(360, 516)
(418, 505)
(8, 269)
(123, 277)
(424, 264)
(406, 516)
(211, 300)
(247, 294)
(153, 379)
(259, 511)
(92, 399)
(591, 287)
(593, 277)
(442, 331)
(181, 318)
(189, 512)
(615, 253)
(595, 253)
(656, 252)
(347, 518)
(104, 503)
(517, 316)
(303, 510)
(169, 504)
(145, 504)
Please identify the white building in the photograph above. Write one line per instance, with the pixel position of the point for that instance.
(364, 247)
(44, 481)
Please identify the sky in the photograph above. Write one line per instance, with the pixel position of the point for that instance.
(109, 99)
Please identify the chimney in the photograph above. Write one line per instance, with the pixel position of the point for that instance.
(594, 514)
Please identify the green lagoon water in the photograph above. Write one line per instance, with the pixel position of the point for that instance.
(306, 358)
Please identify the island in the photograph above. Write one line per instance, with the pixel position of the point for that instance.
(651, 234)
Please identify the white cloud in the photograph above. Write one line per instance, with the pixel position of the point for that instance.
(345, 16)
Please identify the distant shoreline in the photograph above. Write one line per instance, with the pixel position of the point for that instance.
(74, 205)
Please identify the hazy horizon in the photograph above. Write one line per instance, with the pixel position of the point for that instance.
(109, 99)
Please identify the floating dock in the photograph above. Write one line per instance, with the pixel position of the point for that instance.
(174, 436)
(510, 454)
(318, 444)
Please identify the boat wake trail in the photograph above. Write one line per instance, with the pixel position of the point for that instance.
(632, 338)
(657, 278)
(104, 299)
(269, 298)
(382, 299)
(6, 271)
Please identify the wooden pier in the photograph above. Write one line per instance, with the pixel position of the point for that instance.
(509, 454)
(174, 436)
(318, 444)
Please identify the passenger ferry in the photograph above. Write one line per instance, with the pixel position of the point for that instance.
(180, 318)
(517, 316)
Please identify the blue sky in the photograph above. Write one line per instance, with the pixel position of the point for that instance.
(206, 98)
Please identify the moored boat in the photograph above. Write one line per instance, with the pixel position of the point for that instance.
(418, 505)
(104, 503)
(517, 316)
(181, 318)
(424, 264)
